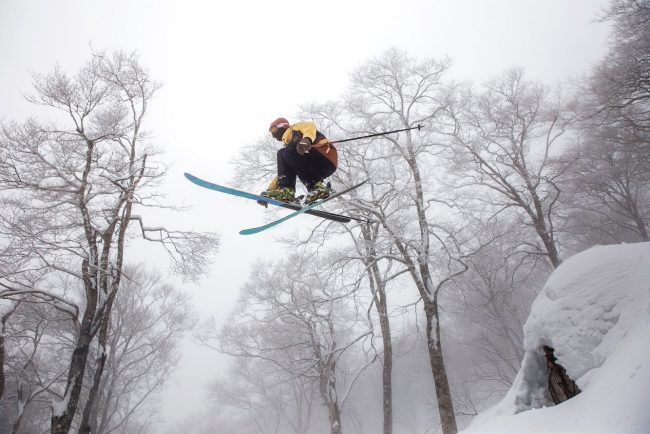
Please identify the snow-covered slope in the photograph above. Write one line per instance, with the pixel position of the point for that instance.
(595, 312)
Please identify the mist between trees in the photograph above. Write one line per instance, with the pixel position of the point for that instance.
(411, 323)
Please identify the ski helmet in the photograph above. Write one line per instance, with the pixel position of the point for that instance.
(278, 127)
(279, 123)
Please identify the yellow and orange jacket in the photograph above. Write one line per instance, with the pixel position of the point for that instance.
(319, 142)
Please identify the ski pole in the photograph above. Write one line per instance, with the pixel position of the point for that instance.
(419, 127)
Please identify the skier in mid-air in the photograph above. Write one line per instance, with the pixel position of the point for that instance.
(307, 155)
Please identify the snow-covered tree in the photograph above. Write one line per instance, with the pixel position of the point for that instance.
(70, 188)
(148, 321)
(486, 309)
(293, 317)
(34, 342)
(395, 91)
(502, 143)
(611, 172)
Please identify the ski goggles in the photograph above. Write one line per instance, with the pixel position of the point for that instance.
(274, 130)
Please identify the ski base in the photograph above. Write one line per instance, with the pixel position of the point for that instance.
(258, 198)
(303, 210)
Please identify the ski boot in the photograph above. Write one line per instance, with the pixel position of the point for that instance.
(318, 191)
(283, 194)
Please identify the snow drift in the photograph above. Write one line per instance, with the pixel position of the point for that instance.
(595, 312)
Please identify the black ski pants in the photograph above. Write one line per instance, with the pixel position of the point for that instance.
(309, 168)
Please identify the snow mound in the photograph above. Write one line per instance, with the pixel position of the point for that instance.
(595, 312)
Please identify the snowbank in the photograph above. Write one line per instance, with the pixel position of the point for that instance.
(595, 312)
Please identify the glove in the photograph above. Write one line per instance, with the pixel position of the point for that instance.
(304, 146)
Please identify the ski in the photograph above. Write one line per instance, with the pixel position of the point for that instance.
(295, 207)
(303, 210)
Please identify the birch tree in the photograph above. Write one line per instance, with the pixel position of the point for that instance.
(257, 162)
(149, 319)
(252, 400)
(619, 84)
(33, 342)
(502, 145)
(393, 92)
(488, 307)
(71, 188)
(609, 186)
(370, 245)
(611, 174)
(293, 315)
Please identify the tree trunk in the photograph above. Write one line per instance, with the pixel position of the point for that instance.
(443, 392)
(381, 303)
(638, 221)
(62, 418)
(328, 393)
(539, 218)
(560, 386)
(62, 421)
(429, 297)
(550, 246)
(21, 410)
(2, 364)
(335, 417)
(5, 318)
(87, 423)
(90, 414)
(387, 368)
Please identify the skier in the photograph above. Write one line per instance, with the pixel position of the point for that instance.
(306, 154)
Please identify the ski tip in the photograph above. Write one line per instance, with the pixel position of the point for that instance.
(193, 179)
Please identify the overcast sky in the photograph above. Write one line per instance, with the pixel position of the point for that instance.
(229, 68)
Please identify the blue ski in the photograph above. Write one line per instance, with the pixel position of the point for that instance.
(303, 210)
(211, 186)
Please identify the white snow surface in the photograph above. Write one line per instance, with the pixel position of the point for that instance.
(595, 312)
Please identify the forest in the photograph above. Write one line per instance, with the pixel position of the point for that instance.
(460, 225)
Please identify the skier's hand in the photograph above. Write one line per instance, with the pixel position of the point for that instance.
(304, 146)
